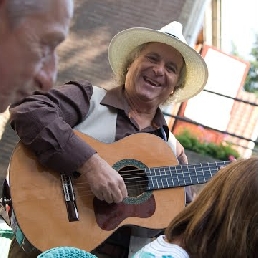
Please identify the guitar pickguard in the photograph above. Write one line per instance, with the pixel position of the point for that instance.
(109, 216)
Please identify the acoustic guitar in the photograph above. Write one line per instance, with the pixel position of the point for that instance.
(57, 210)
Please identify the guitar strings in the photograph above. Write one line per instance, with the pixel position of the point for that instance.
(82, 192)
(166, 172)
(145, 180)
(132, 186)
(180, 167)
(172, 169)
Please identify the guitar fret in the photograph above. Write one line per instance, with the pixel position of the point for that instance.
(162, 183)
(167, 182)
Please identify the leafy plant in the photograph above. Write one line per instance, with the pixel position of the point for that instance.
(217, 151)
(251, 83)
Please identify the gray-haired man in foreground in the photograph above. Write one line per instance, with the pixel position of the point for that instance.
(30, 32)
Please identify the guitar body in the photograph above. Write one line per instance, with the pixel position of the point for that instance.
(38, 198)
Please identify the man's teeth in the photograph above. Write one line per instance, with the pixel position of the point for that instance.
(151, 82)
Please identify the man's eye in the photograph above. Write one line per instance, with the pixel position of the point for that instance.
(171, 69)
(152, 58)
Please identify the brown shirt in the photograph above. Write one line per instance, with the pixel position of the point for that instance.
(44, 123)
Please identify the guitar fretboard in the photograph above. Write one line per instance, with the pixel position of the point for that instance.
(181, 175)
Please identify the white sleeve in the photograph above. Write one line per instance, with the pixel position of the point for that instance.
(8, 175)
(160, 248)
(172, 142)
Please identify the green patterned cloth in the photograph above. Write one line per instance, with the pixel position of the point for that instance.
(5, 230)
(6, 233)
(66, 252)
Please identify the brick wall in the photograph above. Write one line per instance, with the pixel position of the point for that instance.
(84, 54)
(243, 122)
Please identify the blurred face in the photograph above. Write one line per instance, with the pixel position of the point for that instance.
(28, 58)
(154, 74)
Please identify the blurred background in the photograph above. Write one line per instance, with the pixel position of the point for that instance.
(221, 122)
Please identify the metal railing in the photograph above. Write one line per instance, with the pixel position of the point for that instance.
(187, 120)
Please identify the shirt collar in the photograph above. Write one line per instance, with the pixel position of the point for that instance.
(115, 98)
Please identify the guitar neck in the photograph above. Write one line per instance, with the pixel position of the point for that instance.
(181, 175)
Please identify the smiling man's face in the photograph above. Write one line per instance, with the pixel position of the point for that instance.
(154, 74)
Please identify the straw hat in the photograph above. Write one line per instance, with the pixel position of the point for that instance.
(127, 40)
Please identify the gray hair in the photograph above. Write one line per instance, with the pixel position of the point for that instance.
(133, 55)
(120, 77)
(17, 9)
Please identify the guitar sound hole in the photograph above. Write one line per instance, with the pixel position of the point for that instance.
(135, 180)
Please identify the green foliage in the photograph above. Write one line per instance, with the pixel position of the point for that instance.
(234, 50)
(191, 142)
(251, 83)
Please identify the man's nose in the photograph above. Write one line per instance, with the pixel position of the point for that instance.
(46, 76)
(159, 69)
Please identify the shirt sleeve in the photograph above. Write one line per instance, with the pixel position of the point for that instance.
(172, 141)
(44, 123)
(160, 248)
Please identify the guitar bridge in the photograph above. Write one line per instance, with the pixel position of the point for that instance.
(69, 198)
